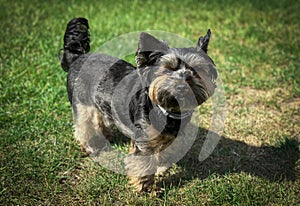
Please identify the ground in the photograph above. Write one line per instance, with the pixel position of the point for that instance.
(255, 45)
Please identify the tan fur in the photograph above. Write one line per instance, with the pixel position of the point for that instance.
(141, 165)
(90, 130)
(158, 141)
(131, 148)
(142, 183)
(154, 86)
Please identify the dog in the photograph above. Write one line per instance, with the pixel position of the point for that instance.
(149, 103)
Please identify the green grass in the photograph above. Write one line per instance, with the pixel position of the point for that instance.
(256, 47)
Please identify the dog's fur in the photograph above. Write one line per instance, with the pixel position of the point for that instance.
(152, 102)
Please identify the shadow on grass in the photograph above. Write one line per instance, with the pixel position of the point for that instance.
(230, 156)
(275, 163)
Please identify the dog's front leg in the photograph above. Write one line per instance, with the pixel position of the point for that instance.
(141, 165)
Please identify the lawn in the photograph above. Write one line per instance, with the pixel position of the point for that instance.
(255, 45)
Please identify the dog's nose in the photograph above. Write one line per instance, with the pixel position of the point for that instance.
(182, 75)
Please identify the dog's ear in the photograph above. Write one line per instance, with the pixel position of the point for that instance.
(203, 42)
(149, 50)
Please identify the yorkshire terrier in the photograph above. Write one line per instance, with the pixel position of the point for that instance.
(150, 103)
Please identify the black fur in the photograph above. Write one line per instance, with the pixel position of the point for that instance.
(112, 86)
(203, 42)
(76, 41)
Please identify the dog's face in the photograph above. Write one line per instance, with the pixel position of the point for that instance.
(184, 77)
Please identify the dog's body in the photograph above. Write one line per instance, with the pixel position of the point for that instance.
(150, 103)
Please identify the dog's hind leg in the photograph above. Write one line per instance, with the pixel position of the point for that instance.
(90, 130)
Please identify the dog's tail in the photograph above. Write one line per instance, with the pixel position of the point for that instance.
(76, 42)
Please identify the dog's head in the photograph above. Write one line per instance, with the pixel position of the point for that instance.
(184, 77)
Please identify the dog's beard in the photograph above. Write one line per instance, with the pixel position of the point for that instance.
(181, 84)
(177, 95)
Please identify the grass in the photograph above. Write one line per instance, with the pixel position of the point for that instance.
(255, 45)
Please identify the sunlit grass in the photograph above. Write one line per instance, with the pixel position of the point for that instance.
(255, 45)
